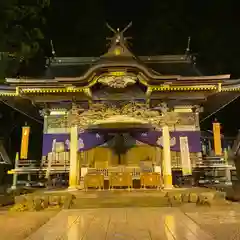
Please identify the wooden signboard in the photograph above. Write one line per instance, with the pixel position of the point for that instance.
(185, 156)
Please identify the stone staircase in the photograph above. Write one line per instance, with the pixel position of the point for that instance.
(147, 198)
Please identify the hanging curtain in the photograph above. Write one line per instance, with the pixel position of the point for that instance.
(86, 141)
(154, 138)
(49, 140)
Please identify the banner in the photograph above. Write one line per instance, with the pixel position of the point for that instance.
(154, 138)
(217, 138)
(185, 157)
(25, 142)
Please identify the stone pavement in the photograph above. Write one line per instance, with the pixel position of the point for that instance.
(142, 223)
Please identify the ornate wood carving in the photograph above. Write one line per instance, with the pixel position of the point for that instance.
(161, 114)
(103, 111)
(57, 122)
(117, 81)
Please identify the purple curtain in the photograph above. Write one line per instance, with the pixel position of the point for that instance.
(155, 138)
(86, 141)
(48, 142)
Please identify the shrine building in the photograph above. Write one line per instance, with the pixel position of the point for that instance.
(120, 114)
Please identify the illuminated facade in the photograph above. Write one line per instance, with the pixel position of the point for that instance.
(91, 106)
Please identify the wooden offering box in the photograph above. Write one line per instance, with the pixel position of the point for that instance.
(120, 179)
(94, 180)
(151, 180)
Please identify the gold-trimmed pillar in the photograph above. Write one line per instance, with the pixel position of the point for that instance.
(167, 167)
(74, 167)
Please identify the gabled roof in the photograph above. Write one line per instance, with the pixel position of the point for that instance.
(151, 71)
(118, 53)
(164, 64)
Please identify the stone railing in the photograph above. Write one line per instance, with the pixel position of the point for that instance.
(199, 162)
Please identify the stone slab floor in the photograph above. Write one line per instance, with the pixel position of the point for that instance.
(143, 223)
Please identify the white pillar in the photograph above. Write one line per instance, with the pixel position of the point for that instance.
(73, 171)
(167, 167)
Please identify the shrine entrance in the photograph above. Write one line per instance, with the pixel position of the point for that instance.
(121, 149)
(120, 146)
(119, 158)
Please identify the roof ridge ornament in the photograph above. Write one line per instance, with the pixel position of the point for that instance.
(118, 34)
(118, 43)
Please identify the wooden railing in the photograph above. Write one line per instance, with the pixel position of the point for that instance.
(28, 163)
(176, 164)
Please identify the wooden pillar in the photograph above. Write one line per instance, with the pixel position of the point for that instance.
(167, 168)
(73, 171)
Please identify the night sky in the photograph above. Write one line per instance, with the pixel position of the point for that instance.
(159, 27)
(78, 28)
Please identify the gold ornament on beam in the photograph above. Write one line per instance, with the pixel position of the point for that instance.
(117, 81)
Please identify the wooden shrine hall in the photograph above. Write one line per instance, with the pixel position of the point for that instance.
(119, 117)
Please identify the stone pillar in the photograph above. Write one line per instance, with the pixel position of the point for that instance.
(228, 175)
(167, 168)
(73, 171)
(45, 124)
(29, 177)
(15, 175)
(225, 151)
